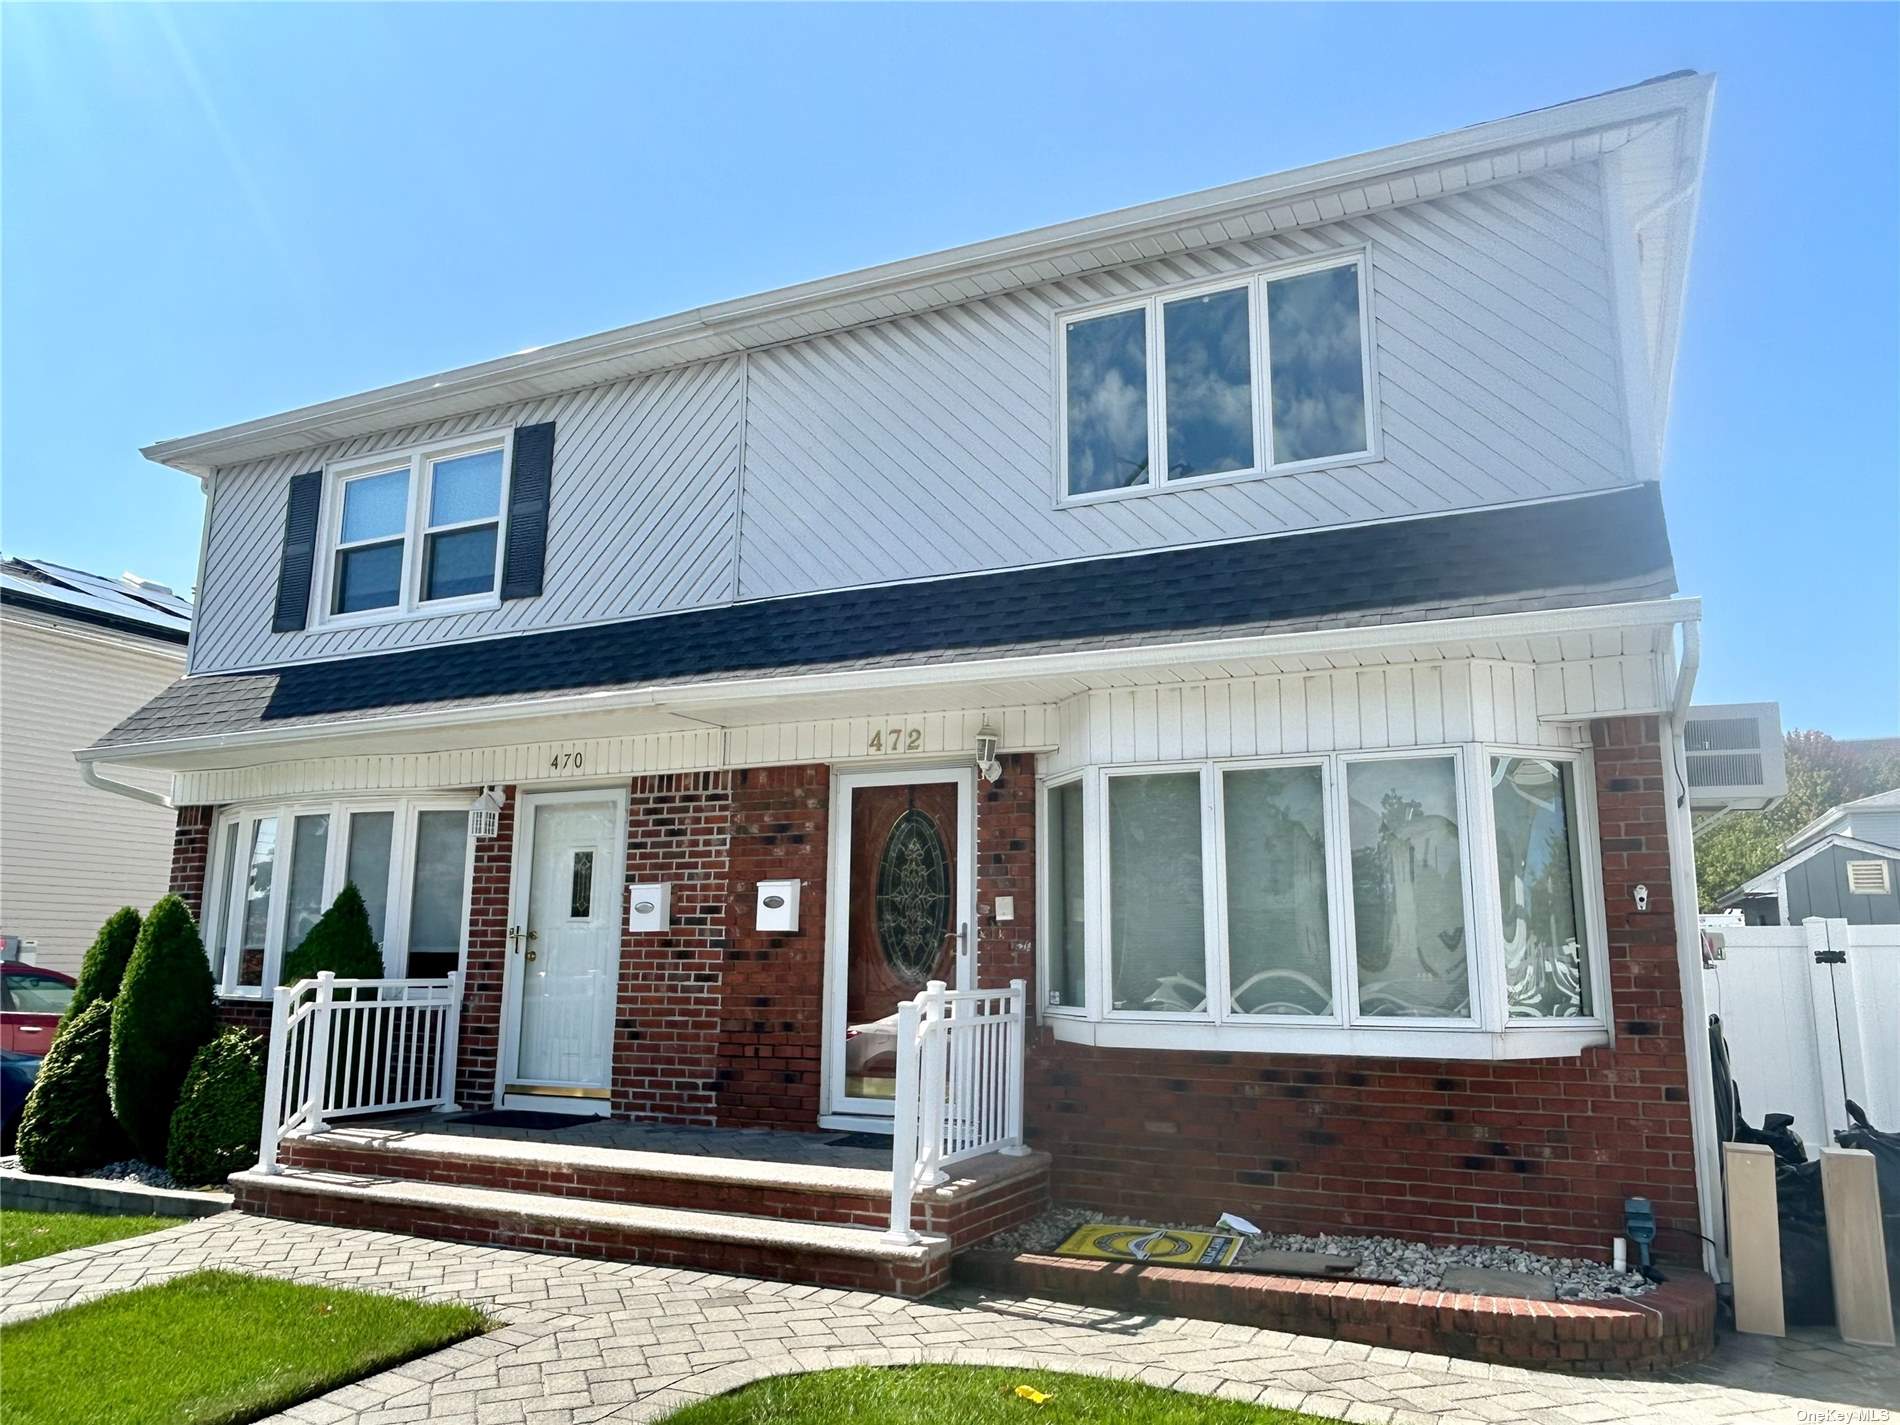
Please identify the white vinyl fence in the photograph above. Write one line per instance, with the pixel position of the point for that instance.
(1812, 1016)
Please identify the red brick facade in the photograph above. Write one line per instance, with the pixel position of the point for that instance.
(485, 962)
(191, 857)
(1531, 1151)
(666, 1024)
(771, 1007)
(719, 1023)
(1006, 866)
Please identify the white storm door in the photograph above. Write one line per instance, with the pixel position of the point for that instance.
(564, 943)
(902, 913)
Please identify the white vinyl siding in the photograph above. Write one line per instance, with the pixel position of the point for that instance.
(70, 854)
(928, 445)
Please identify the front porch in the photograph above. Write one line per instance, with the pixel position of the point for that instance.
(789, 1206)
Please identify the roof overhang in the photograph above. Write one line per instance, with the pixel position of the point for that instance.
(1484, 153)
(966, 683)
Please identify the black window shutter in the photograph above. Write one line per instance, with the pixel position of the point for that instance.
(300, 553)
(526, 555)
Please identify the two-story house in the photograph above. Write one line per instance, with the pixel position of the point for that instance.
(1246, 619)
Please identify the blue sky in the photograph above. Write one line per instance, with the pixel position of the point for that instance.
(217, 212)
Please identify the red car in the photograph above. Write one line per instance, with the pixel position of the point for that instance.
(31, 1001)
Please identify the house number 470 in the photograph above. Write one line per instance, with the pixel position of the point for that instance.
(565, 762)
(896, 739)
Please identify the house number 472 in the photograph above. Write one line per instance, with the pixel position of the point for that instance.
(896, 739)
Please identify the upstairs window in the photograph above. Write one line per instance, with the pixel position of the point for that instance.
(1248, 377)
(417, 532)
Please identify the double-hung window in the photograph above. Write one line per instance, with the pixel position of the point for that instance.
(417, 531)
(1432, 900)
(276, 869)
(1249, 376)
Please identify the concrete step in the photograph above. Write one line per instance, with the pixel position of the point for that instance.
(858, 1258)
(990, 1190)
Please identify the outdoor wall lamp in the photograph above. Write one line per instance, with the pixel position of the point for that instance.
(484, 818)
(987, 741)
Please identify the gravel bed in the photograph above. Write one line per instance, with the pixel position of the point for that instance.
(1382, 1259)
(129, 1171)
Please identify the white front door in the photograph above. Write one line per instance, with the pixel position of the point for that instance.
(564, 944)
(902, 912)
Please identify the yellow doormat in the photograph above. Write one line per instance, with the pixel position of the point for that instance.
(1171, 1246)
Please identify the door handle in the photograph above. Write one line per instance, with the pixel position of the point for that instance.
(531, 955)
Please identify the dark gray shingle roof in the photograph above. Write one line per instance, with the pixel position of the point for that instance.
(1596, 549)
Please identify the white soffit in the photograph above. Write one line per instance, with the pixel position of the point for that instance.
(1485, 153)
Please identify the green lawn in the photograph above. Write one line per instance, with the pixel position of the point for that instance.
(930, 1395)
(26, 1235)
(212, 1348)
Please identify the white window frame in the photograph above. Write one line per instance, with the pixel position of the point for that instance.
(1339, 931)
(1255, 281)
(1489, 1033)
(1045, 899)
(420, 461)
(224, 914)
(1209, 938)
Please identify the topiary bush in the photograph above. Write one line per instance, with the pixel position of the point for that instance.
(220, 1111)
(340, 942)
(163, 1013)
(104, 966)
(67, 1126)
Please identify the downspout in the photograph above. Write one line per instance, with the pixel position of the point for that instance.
(91, 776)
(1695, 1015)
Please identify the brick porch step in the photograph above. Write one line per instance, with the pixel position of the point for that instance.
(853, 1257)
(983, 1196)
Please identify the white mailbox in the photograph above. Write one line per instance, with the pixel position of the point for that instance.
(650, 907)
(778, 905)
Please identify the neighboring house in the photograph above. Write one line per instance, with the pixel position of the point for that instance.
(1843, 865)
(79, 653)
(1247, 618)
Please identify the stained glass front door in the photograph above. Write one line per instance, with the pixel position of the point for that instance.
(905, 880)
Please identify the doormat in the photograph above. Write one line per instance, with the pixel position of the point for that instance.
(1171, 1246)
(521, 1118)
(860, 1140)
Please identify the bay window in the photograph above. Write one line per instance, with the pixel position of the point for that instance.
(409, 858)
(1245, 376)
(1341, 902)
(416, 531)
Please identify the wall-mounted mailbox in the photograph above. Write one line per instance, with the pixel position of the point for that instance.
(778, 905)
(650, 907)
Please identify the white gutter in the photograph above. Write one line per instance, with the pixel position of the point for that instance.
(1685, 898)
(1655, 613)
(92, 777)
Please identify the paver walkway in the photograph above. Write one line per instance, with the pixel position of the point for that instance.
(591, 1341)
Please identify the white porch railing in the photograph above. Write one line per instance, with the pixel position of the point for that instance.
(344, 1047)
(959, 1086)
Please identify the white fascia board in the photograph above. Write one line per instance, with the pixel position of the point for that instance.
(679, 698)
(738, 321)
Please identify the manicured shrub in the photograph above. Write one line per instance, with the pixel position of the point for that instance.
(67, 1126)
(340, 942)
(104, 966)
(163, 1013)
(220, 1111)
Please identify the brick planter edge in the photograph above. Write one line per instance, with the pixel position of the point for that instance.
(1667, 1328)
